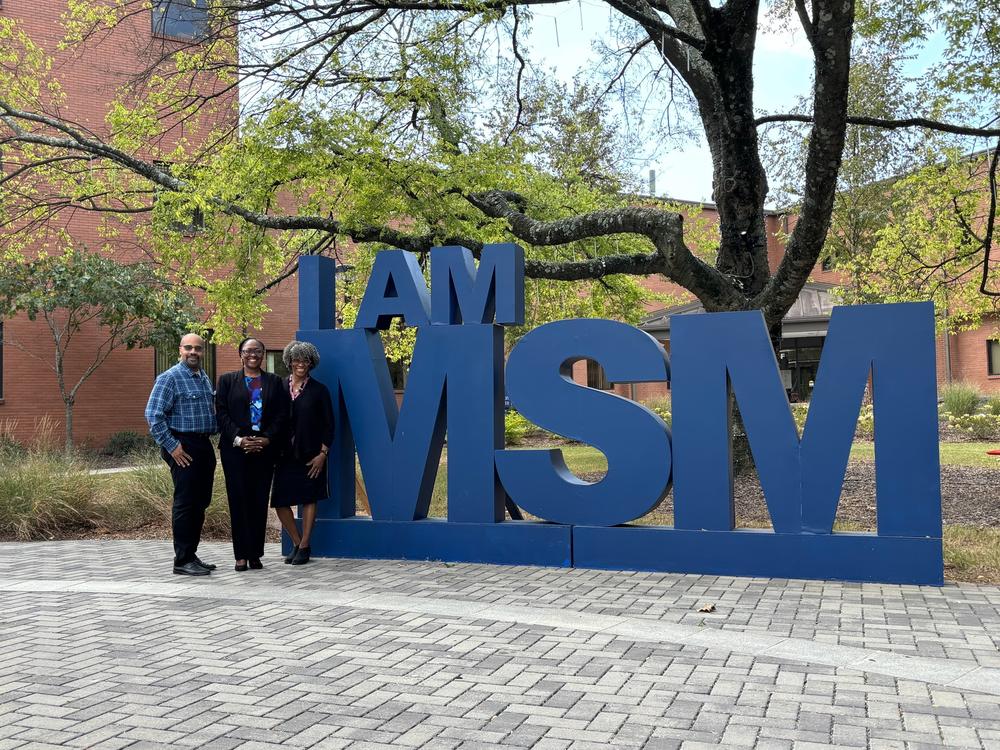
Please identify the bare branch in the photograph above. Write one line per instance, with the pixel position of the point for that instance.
(990, 224)
(889, 124)
(662, 228)
(807, 24)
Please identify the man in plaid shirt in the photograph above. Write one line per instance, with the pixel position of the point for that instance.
(181, 417)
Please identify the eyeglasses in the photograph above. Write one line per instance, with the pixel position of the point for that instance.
(252, 352)
(191, 348)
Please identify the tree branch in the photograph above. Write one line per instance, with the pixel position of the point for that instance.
(889, 124)
(807, 24)
(990, 224)
(833, 24)
(662, 228)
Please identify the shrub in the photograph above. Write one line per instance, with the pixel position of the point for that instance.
(959, 399)
(44, 494)
(799, 413)
(993, 406)
(10, 447)
(660, 407)
(128, 443)
(865, 429)
(516, 428)
(866, 423)
(47, 436)
(144, 495)
(979, 426)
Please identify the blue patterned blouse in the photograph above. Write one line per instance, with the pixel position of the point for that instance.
(256, 400)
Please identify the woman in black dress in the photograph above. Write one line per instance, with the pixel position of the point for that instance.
(252, 408)
(300, 477)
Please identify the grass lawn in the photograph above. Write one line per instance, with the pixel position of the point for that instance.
(583, 459)
(952, 454)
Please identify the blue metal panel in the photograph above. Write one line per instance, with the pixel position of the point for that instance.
(396, 289)
(458, 367)
(751, 552)
(704, 348)
(456, 381)
(506, 543)
(472, 359)
(895, 344)
(634, 439)
(317, 286)
(460, 294)
(317, 292)
(802, 483)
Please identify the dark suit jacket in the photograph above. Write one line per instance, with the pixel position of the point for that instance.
(232, 407)
(312, 421)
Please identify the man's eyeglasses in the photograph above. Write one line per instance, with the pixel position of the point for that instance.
(191, 347)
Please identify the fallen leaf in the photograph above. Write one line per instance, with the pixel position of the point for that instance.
(707, 608)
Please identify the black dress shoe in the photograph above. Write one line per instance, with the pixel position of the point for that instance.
(291, 555)
(240, 567)
(205, 565)
(301, 556)
(191, 568)
(256, 564)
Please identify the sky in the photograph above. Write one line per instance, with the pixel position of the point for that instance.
(562, 38)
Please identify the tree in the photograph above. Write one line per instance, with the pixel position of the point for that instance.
(914, 210)
(132, 305)
(931, 248)
(413, 123)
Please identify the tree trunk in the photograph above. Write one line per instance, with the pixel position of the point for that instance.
(69, 426)
(742, 456)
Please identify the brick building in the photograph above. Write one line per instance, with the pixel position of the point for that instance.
(971, 356)
(113, 399)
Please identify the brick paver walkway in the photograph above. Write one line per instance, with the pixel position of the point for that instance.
(101, 647)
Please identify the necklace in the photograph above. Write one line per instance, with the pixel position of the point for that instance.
(296, 389)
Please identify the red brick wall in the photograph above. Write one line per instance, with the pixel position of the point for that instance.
(968, 357)
(114, 397)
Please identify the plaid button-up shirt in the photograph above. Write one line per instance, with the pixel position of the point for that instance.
(182, 400)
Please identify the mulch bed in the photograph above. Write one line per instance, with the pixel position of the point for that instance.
(970, 495)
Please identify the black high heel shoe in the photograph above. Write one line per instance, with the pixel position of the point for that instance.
(240, 567)
(256, 564)
(291, 555)
(301, 556)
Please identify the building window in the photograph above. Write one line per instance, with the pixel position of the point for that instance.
(596, 377)
(165, 357)
(993, 357)
(180, 19)
(275, 364)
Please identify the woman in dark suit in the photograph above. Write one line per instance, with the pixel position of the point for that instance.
(300, 478)
(252, 409)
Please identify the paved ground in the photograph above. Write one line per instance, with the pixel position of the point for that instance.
(101, 647)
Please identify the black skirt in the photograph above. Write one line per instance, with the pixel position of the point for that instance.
(292, 485)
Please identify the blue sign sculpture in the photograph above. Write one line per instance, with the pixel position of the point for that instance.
(456, 387)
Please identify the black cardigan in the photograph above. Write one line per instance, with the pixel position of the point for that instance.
(312, 421)
(232, 407)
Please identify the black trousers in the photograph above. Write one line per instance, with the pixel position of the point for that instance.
(248, 487)
(192, 493)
